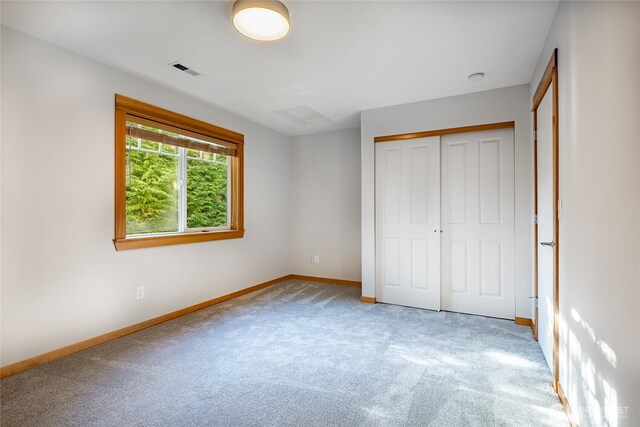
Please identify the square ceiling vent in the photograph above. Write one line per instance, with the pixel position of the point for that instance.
(303, 115)
(184, 68)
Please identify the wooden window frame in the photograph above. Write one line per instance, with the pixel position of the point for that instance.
(130, 107)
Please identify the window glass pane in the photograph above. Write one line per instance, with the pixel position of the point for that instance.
(193, 153)
(152, 191)
(170, 149)
(150, 145)
(206, 194)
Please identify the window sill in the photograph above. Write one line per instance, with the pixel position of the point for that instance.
(175, 239)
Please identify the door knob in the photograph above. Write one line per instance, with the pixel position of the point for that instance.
(547, 243)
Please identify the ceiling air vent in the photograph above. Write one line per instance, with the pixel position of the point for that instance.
(186, 69)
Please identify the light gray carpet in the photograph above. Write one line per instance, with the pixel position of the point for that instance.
(299, 354)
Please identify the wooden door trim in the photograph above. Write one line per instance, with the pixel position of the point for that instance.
(534, 325)
(448, 131)
(549, 80)
(548, 77)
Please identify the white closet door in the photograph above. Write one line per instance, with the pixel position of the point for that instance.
(408, 223)
(546, 226)
(478, 223)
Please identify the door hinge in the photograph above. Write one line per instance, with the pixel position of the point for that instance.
(535, 301)
(535, 135)
(535, 218)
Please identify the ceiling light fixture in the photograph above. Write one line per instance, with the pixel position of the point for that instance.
(265, 20)
(476, 77)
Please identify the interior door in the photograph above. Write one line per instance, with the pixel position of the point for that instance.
(478, 260)
(408, 222)
(546, 224)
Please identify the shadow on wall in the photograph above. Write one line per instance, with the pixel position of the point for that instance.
(578, 373)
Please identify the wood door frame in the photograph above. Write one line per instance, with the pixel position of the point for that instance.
(549, 79)
(447, 131)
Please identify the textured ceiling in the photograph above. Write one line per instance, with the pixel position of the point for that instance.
(339, 58)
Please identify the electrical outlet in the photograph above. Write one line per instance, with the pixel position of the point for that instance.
(311, 259)
(140, 292)
(316, 259)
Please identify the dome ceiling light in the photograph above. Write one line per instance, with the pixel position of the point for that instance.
(266, 20)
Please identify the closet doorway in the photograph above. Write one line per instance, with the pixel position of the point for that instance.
(445, 220)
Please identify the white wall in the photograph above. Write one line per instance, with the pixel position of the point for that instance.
(326, 204)
(507, 104)
(599, 118)
(62, 280)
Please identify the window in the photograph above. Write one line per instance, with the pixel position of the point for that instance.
(178, 180)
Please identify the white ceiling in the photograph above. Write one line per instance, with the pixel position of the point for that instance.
(339, 58)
